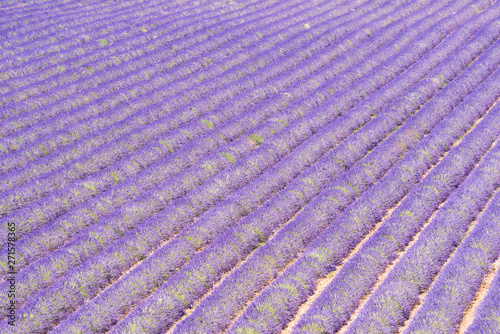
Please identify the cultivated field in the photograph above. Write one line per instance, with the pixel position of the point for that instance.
(250, 166)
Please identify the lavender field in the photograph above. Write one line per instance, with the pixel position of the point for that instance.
(250, 166)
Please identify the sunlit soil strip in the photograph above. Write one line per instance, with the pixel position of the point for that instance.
(471, 227)
(369, 287)
(391, 303)
(480, 295)
(224, 277)
(257, 294)
(386, 272)
(422, 296)
(325, 281)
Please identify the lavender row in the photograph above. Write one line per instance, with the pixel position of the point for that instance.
(151, 39)
(485, 319)
(333, 308)
(76, 131)
(200, 285)
(114, 257)
(118, 47)
(110, 298)
(331, 205)
(19, 51)
(203, 43)
(256, 134)
(356, 93)
(390, 305)
(455, 287)
(166, 148)
(76, 23)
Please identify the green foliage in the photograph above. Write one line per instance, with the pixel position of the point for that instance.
(314, 328)
(167, 144)
(208, 123)
(90, 186)
(91, 70)
(210, 167)
(247, 330)
(229, 156)
(256, 138)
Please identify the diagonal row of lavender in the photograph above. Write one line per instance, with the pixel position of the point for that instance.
(455, 287)
(111, 299)
(281, 291)
(145, 94)
(23, 113)
(152, 151)
(152, 177)
(153, 62)
(486, 317)
(89, 249)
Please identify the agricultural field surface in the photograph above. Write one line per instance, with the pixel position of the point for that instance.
(250, 166)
